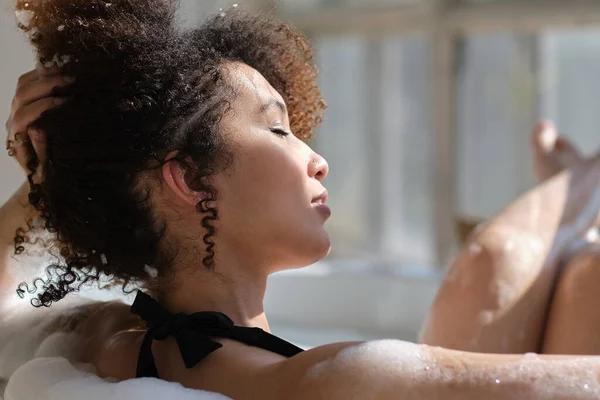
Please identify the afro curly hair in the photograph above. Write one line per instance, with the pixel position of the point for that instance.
(144, 88)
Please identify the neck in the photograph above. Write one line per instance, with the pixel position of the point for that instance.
(231, 287)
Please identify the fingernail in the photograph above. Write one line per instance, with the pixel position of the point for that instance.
(69, 79)
(59, 100)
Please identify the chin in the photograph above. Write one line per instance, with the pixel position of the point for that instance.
(317, 248)
(325, 250)
(312, 250)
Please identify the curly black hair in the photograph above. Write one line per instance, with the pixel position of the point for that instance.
(144, 88)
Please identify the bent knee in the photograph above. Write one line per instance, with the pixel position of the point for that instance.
(509, 252)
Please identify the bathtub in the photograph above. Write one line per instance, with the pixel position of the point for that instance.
(331, 302)
(320, 304)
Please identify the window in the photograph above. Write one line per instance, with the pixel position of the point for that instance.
(294, 5)
(495, 1)
(377, 140)
(192, 11)
(431, 109)
(342, 141)
(570, 61)
(508, 81)
(495, 114)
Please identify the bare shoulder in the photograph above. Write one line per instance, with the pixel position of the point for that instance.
(381, 369)
(351, 370)
(110, 332)
(97, 318)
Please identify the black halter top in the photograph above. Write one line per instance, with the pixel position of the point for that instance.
(193, 334)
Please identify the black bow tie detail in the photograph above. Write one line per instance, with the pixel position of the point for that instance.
(192, 333)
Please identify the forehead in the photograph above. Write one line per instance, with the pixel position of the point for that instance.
(250, 85)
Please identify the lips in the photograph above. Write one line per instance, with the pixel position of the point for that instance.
(320, 199)
(319, 204)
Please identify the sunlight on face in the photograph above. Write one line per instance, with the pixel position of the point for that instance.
(270, 198)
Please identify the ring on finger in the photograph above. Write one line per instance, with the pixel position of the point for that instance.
(19, 140)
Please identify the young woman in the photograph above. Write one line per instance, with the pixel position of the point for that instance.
(174, 162)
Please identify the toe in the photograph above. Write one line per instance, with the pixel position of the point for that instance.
(544, 137)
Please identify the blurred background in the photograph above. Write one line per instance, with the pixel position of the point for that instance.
(430, 107)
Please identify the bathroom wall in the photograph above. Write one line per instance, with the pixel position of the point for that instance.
(15, 59)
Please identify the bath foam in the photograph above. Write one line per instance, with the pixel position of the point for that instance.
(589, 241)
(592, 235)
(505, 292)
(385, 353)
(485, 317)
(475, 248)
(57, 379)
(27, 373)
(34, 363)
(576, 382)
(369, 366)
(24, 334)
(532, 377)
(581, 225)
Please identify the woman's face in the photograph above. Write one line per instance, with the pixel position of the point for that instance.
(270, 199)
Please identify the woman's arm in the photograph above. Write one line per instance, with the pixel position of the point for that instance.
(398, 370)
(14, 214)
(33, 96)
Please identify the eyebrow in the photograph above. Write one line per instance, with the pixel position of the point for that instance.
(270, 104)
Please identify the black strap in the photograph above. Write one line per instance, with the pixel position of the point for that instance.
(193, 334)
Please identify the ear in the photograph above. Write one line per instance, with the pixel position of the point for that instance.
(173, 173)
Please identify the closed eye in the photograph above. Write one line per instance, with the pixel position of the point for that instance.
(279, 132)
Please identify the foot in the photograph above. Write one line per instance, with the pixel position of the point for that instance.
(551, 153)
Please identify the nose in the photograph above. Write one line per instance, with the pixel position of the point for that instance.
(317, 167)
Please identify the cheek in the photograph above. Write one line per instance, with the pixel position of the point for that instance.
(263, 189)
(266, 205)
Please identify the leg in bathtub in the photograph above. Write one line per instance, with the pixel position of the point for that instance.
(546, 164)
(574, 320)
(495, 297)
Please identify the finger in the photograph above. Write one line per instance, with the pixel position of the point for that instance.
(28, 77)
(43, 71)
(37, 90)
(18, 149)
(28, 114)
(24, 150)
(38, 141)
